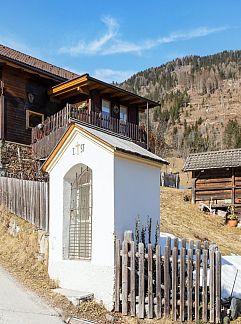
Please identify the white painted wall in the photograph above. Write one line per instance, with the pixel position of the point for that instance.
(122, 190)
(97, 274)
(137, 194)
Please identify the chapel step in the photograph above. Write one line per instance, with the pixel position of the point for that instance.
(75, 296)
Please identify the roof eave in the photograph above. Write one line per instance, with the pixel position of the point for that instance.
(161, 162)
(35, 69)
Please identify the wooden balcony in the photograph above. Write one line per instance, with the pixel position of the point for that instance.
(46, 136)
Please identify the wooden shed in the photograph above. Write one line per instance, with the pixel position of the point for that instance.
(216, 178)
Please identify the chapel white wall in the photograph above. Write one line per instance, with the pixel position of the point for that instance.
(97, 274)
(137, 194)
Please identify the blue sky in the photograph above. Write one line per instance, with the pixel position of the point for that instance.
(112, 40)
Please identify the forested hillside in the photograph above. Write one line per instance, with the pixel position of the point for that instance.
(200, 102)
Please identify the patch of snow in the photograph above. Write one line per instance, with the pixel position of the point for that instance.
(230, 266)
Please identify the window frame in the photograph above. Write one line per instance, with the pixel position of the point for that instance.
(121, 119)
(29, 113)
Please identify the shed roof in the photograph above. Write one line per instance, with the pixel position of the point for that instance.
(121, 146)
(213, 160)
(33, 63)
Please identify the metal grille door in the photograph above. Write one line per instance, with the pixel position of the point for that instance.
(80, 228)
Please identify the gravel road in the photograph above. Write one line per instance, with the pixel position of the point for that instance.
(20, 306)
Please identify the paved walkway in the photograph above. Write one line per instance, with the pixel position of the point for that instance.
(20, 306)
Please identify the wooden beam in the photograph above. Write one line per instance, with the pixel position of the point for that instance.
(233, 186)
(2, 110)
(194, 190)
(147, 125)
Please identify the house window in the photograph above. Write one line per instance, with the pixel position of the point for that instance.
(105, 108)
(105, 114)
(78, 225)
(33, 118)
(123, 113)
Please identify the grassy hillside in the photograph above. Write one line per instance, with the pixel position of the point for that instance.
(184, 220)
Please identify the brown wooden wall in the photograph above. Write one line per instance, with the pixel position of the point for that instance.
(17, 85)
(221, 186)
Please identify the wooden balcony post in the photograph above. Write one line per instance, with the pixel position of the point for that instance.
(1, 110)
(147, 125)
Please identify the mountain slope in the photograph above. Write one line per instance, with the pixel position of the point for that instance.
(200, 100)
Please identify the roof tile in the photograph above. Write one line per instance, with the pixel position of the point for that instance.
(213, 160)
(35, 63)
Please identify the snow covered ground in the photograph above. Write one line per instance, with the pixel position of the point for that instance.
(231, 265)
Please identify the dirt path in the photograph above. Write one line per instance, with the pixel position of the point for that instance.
(18, 305)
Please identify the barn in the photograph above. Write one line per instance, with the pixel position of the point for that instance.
(216, 178)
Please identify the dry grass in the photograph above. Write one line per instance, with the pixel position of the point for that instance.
(18, 255)
(184, 220)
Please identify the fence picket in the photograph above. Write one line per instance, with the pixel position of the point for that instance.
(182, 283)
(133, 279)
(117, 275)
(218, 286)
(204, 287)
(172, 286)
(141, 301)
(166, 282)
(158, 283)
(212, 284)
(174, 283)
(124, 277)
(197, 285)
(150, 283)
(189, 284)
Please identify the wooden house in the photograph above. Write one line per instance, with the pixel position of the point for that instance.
(216, 178)
(38, 100)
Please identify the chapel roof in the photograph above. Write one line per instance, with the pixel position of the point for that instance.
(120, 146)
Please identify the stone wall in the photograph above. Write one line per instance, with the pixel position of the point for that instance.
(16, 161)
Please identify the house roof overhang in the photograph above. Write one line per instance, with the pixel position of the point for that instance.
(85, 83)
(34, 65)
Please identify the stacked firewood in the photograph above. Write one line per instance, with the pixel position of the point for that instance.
(17, 162)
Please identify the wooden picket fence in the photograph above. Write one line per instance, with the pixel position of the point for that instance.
(27, 199)
(183, 283)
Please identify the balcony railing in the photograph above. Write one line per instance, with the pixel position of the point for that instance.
(46, 136)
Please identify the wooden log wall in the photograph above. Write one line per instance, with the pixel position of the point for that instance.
(17, 87)
(27, 199)
(219, 186)
(173, 284)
